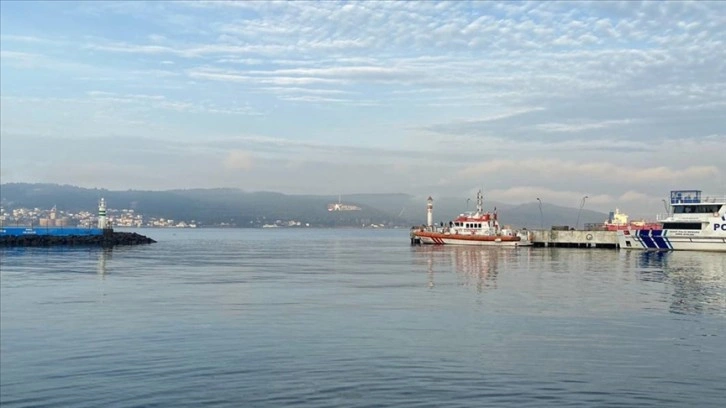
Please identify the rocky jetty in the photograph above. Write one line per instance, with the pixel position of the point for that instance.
(109, 239)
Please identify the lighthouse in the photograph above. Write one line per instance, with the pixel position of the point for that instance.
(102, 223)
(430, 212)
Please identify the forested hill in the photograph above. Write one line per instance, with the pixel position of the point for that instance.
(245, 209)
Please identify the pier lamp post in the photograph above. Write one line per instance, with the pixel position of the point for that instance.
(582, 204)
(541, 217)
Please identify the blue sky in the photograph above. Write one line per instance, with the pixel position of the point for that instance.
(619, 101)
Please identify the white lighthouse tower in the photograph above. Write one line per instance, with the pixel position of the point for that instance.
(102, 222)
(430, 212)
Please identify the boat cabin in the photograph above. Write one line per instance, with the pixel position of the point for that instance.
(690, 202)
(685, 196)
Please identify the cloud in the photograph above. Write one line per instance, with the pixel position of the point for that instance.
(528, 194)
(565, 169)
(231, 76)
(591, 98)
(238, 160)
(579, 127)
(631, 196)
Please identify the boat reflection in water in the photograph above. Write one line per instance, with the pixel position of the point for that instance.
(697, 280)
(474, 266)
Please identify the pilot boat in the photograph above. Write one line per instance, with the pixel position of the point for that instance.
(470, 228)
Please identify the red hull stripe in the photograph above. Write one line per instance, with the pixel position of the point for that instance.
(439, 238)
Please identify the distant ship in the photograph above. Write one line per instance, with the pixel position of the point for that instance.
(618, 221)
(339, 206)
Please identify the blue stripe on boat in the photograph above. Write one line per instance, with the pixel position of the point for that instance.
(659, 240)
(644, 236)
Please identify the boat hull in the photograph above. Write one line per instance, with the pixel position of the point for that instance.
(438, 238)
(670, 240)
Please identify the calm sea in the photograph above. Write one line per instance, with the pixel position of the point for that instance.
(358, 318)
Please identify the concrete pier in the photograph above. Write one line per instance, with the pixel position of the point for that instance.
(575, 239)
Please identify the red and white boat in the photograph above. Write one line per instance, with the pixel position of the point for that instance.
(470, 228)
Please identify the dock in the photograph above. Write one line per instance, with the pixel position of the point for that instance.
(575, 239)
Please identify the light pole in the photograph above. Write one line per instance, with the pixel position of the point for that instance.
(582, 204)
(541, 217)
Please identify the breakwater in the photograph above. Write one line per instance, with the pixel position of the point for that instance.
(106, 239)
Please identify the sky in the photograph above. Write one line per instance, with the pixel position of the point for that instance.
(617, 101)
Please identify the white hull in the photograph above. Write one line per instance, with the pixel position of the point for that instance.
(670, 241)
(694, 223)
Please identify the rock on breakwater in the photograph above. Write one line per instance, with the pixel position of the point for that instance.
(108, 239)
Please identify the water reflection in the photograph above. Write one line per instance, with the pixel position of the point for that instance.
(103, 256)
(55, 260)
(697, 279)
(475, 266)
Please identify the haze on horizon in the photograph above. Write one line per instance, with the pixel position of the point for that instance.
(619, 101)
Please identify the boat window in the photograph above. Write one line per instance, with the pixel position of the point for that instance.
(695, 209)
(682, 225)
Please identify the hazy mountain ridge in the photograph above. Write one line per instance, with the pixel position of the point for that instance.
(238, 207)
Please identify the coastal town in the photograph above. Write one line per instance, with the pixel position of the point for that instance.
(37, 217)
(121, 218)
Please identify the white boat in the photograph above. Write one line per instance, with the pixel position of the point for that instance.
(470, 228)
(694, 223)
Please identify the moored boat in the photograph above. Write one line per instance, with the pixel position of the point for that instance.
(470, 228)
(694, 223)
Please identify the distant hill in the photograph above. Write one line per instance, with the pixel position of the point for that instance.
(250, 209)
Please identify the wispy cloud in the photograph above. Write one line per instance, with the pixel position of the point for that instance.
(564, 169)
(582, 126)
